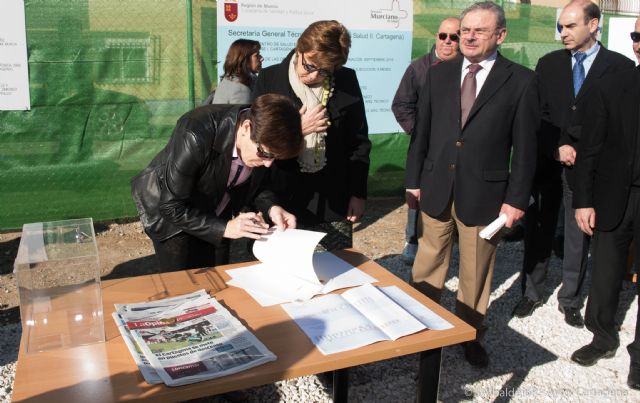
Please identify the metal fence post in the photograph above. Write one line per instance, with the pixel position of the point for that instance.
(190, 72)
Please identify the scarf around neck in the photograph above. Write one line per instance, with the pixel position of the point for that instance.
(312, 158)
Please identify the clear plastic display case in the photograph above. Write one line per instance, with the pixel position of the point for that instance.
(58, 276)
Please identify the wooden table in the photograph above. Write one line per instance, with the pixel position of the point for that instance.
(106, 372)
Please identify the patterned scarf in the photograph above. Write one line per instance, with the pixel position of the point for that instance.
(312, 158)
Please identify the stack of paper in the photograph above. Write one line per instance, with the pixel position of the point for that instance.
(290, 271)
(187, 339)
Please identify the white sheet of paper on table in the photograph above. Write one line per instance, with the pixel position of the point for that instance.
(290, 271)
(290, 251)
(425, 315)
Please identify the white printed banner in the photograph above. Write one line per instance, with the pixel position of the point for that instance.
(381, 33)
(619, 39)
(14, 72)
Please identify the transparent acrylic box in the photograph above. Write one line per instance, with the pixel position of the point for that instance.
(58, 274)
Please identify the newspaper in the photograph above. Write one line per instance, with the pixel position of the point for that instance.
(361, 316)
(187, 339)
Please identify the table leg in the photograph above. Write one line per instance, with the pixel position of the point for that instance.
(429, 375)
(341, 385)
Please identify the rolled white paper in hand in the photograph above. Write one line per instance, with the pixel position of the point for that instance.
(490, 230)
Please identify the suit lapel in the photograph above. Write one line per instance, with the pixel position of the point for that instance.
(597, 70)
(451, 83)
(499, 74)
(565, 75)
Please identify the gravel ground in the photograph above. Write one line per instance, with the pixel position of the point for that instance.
(529, 358)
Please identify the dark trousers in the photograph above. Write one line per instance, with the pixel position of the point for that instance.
(184, 251)
(540, 227)
(576, 252)
(610, 253)
(411, 230)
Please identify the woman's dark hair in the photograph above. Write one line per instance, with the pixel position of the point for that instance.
(330, 39)
(276, 124)
(238, 61)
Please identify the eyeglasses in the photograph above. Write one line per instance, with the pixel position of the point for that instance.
(443, 36)
(480, 33)
(265, 155)
(310, 68)
(635, 36)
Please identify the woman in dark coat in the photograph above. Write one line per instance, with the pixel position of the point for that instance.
(191, 196)
(326, 185)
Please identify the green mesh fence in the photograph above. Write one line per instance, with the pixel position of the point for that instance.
(108, 81)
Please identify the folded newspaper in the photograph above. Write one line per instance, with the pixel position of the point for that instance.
(187, 339)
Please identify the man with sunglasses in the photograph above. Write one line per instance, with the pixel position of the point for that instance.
(635, 38)
(566, 78)
(405, 103)
(193, 197)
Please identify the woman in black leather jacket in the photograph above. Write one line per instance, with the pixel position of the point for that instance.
(191, 195)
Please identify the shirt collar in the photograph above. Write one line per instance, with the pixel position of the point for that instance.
(235, 158)
(592, 50)
(486, 64)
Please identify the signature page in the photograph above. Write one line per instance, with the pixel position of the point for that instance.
(289, 252)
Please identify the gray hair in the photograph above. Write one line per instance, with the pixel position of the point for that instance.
(501, 21)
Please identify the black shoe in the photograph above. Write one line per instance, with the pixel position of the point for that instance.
(590, 354)
(475, 354)
(633, 380)
(572, 316)
(525, 307)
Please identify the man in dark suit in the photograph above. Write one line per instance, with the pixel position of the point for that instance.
(607, 202)
(477, 117)
(566, 79)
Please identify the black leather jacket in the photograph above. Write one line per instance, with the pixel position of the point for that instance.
(182, 186)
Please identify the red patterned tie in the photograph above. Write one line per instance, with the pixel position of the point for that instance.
(468, 93)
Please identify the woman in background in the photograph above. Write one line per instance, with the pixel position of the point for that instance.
(326, 186)
(241, 66)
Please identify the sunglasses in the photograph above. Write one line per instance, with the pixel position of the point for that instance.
(264, 154)
(443, 36)
(310, 68)
(635, 36)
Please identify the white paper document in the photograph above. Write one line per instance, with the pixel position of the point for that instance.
(490, 230)
(425, 315)
(290, 271)
(358, 317)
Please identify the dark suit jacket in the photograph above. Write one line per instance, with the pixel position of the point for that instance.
(562, 113)
(489, 162)
(183, 185)
(605, 159)
(324, 195)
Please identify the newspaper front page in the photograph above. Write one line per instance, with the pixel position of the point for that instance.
(189, 339)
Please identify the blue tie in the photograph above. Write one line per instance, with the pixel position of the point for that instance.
(578, 72)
